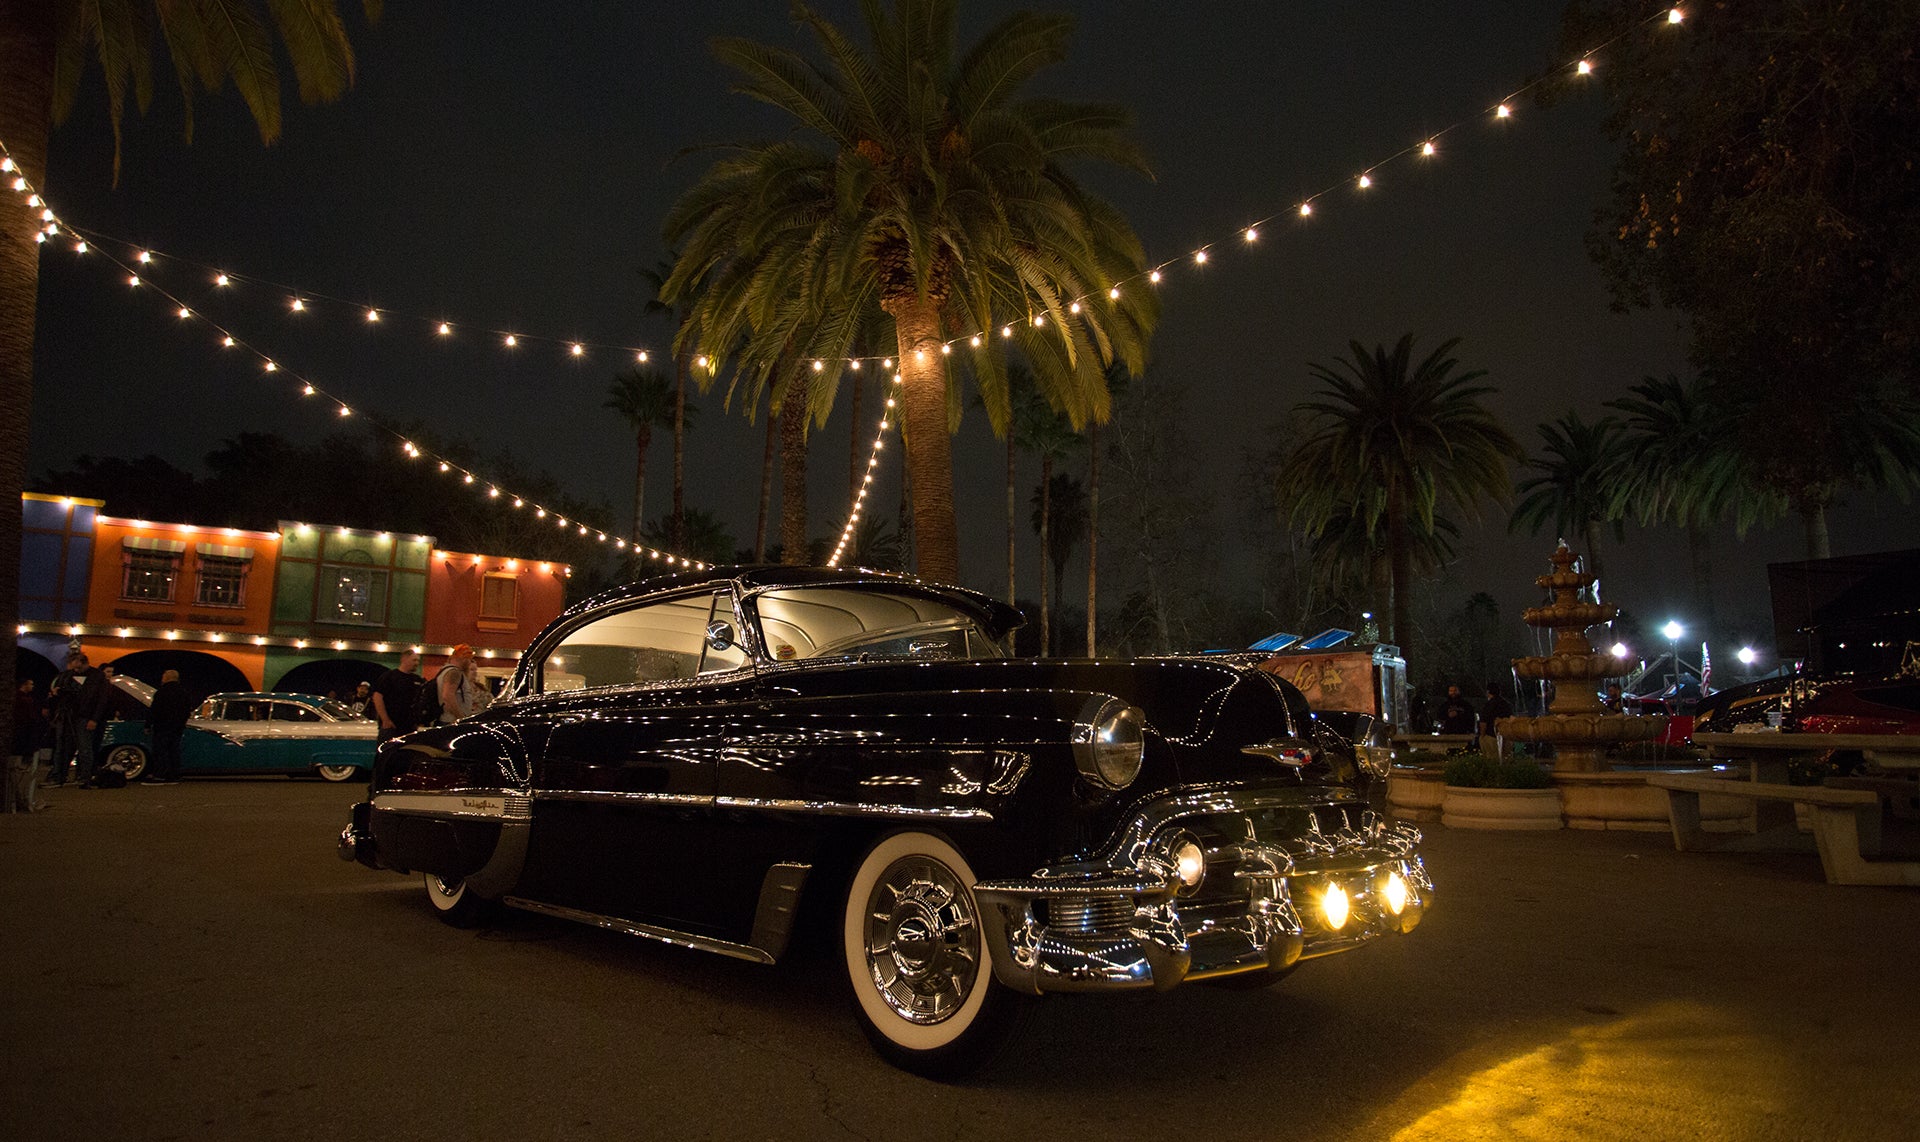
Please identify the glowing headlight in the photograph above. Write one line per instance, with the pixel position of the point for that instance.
(1334, 907)
(1394, 892)
(1110, 742)
(1188, 860)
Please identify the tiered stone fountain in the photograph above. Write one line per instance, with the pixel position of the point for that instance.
(1577, 724)
(1593, 795)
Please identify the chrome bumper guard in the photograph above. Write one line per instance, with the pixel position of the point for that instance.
(1111, 929)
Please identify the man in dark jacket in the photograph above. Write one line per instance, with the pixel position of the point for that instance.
(1457, 715)
(83, 702)
(167, 723)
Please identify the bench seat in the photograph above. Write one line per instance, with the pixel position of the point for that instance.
(1846, 823)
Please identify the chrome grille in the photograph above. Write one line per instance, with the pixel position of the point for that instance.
(1090, 914)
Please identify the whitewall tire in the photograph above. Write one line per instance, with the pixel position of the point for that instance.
(917, 959)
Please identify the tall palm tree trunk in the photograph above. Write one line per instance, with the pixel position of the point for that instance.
(26, 92)
(793, 474)
(923, 421)
(1046, 521)
(1813, 516)
(1400, 553)
(1012, 516)
(1093, 532)
(678, 528)
(642, 437)
(767, 459)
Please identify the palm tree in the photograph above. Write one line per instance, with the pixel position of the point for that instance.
(1392, 441)
(925, 186)
(682, 365)
(44, 52)
(790, 403)
(1041, 429)
(1060, 520)
(645, 400)
(1571, 492)
(703, 536)
(1677, 463)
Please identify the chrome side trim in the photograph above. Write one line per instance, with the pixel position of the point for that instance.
(848, 809)
(476, 804)
(647, 931)
(620, 798)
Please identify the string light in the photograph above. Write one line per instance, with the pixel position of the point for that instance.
(297, 303)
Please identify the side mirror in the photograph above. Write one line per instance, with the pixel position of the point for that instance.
(719, 636)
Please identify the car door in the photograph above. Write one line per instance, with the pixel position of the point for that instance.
(635, 719)
(291, 730)
(224, 737)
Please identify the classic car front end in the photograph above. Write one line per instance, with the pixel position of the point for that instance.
(976, 830)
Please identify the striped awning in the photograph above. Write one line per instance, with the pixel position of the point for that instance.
(146, 543)
(223, 551)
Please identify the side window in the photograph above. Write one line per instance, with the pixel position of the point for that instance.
(659, 642)
(294, 712)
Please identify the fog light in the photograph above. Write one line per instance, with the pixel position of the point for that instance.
(1334, 907)
(1394, 892)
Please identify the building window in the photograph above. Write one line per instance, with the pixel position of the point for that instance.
(223, 582)
(149, 574)
(500, 597)
(358, 596)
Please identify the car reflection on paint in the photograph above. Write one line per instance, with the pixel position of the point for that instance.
(247, 733)
(711, 758)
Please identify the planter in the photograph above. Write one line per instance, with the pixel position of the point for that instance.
(1414, 794)
(1505, 809)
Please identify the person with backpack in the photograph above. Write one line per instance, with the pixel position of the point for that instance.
(458, 688)
(396, 697)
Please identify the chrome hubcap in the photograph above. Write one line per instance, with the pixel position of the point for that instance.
(923, 946)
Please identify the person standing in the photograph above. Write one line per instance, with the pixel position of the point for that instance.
(394, 696)
(85, 695)
(362, 701)
(167, 723)
(59, 713)
(23, 764)
(1497, 707)
(462, 691)
(1457, 715)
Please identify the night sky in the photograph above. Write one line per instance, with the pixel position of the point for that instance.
(509, 173)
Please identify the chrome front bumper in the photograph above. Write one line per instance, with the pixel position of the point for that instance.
(1105, 926)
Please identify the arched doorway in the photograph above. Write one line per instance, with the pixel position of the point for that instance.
(339, 675)
(201, 673)
(32, 666)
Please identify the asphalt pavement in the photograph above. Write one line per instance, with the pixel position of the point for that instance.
(193, 962)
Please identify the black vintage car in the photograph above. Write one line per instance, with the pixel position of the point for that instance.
(736, 748)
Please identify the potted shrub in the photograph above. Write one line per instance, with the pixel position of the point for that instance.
(1491, 793)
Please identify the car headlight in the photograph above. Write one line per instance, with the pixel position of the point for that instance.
(1110, 742)
(1184, 856)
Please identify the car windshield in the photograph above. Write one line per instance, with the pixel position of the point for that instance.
(339, 711)
(827, 622)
